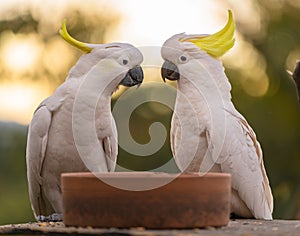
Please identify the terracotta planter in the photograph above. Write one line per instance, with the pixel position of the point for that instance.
(188, 201)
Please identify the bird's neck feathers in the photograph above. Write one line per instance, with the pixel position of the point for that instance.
(82, 66)
(208, 77)
(95, 71)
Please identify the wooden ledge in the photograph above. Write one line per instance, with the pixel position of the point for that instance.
(235, 227)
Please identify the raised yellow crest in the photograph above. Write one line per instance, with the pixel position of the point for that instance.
(218, 43)
(66, 36)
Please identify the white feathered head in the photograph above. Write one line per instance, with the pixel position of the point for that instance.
(181, 48)
(126, 55)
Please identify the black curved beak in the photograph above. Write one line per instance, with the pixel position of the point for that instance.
(133, 77)
(169, 71)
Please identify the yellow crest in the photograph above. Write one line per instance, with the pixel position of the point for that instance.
(218, 43)
(66, 36)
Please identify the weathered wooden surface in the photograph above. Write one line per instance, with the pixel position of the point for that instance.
(235, 227)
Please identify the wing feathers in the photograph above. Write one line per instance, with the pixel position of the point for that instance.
(266, 186)
(35, 153)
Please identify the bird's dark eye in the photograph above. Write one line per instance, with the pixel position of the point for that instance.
(183, 58)
(125, 62)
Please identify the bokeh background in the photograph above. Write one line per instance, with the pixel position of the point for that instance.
(34, 60)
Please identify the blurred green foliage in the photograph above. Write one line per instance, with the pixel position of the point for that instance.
(14, 199)
(275, 117)
(157, 97)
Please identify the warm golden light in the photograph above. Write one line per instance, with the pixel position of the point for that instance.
(18, 101)
(56, 56)
(20, 53)
(152, 22)
(252, 65)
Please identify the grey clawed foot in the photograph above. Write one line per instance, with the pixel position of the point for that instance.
(53, 217)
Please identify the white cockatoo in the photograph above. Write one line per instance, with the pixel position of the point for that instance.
(207, 132)
(60, 136)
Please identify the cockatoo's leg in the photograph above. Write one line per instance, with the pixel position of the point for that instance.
(53, 217)
(53, 194)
